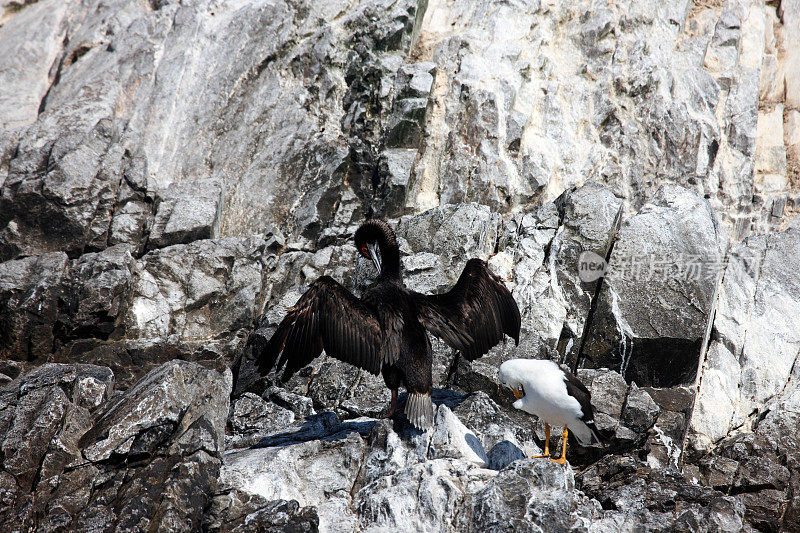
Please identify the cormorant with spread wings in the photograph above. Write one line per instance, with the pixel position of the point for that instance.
(385, 331)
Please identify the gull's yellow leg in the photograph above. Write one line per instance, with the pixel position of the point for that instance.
(546, 442)
(563, 460)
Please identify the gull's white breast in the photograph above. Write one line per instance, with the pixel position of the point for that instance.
(546, 393)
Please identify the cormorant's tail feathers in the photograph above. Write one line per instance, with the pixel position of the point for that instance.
(420, 410)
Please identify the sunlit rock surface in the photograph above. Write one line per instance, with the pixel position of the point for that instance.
(173, 176)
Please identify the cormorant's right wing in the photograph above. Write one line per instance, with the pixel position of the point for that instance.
(329, 316)
(473, 316)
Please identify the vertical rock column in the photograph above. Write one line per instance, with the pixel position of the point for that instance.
(656, 300)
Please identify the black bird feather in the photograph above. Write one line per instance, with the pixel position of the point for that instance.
(385, 330)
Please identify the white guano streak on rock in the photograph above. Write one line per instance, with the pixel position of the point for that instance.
(423, 190)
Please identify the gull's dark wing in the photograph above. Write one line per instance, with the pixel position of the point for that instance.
(578, 390)
(474, 315)
(328, 317)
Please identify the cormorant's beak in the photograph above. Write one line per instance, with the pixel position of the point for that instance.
(373, 253)
(518, 392)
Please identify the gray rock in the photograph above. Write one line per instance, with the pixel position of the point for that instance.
(609, 390)
(507, 431)
(315, 472)
(451, 438)
(400, 487)
(179, 400)
(61, 186)
(29, 293)
(754, 350)
(656, 300)
(529, 495)
(455, 233)
(238, 512)
(301, 406)
(166, 431)
(750, 464)
(405, 125)
(251, 413)
(31, 40)
(640, 411)
(424, 496)
(48, 301)
(415, 80)
(195, 129)
(170, 426)
(76, 136)
(44, 413)
(646, 498)
(591, 216)
(132, 359)
(187, 211)
(524, 262)
(396, 165)
(197, 290)
(95, 294)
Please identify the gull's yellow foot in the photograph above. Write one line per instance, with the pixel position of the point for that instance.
(546, 443)
(563, 459)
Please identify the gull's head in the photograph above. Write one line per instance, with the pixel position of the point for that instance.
(511, 376)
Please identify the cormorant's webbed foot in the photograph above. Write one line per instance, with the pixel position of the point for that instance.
(393, 410)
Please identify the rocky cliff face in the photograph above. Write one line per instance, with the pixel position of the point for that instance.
(174, 174)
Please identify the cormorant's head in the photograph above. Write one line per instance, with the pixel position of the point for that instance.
(510, 376)
(373, 239)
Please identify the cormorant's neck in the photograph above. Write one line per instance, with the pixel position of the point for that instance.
(390, 260)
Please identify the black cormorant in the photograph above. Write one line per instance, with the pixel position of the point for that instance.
(386, 329)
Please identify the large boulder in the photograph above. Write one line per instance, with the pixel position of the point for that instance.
(749, 382)
(590, 218)
(70, 447)
(198, 290)
(756, 337)
(656, 301)
(169, 430)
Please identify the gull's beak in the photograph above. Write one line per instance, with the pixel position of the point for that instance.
(518, 394)
(373, 253)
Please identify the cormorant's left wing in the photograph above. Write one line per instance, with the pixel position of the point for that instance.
(329, 316)
(473, 316)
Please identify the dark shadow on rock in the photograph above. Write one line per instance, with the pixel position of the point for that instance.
(327, 426)
(664, 362)
(503, 454)
(476, 445)
(323, 426)
(447, 397)
(450, 398)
